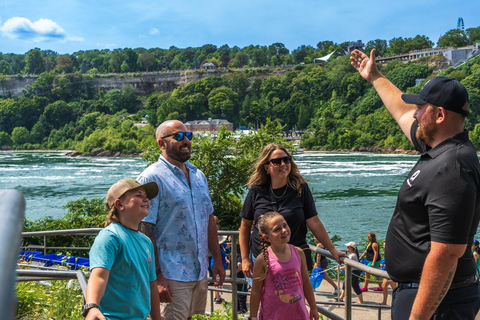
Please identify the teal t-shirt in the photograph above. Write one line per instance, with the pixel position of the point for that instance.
(129, 257)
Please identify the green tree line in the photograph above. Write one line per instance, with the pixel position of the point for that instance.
(331, 104)
(37, 61)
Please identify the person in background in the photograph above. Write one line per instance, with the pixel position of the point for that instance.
(281, 283)
(322, 262)
(181, 226)
(277, 185)
(353, 255)
(121, 256)
(241, 298)
(476, 253)
(386, 282)
(373, 256)
(438, 205)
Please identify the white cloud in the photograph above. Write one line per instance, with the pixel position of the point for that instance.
(154, 31)
(40, 30)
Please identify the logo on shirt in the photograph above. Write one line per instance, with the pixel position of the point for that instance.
(149, 260)
(413, 177)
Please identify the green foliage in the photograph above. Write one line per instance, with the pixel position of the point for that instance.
(81, 213)
(49, 300)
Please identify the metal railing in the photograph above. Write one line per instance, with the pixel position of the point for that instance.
(349, 264)
(25, 275)
(12, 210)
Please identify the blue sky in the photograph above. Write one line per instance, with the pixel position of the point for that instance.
(67, 26)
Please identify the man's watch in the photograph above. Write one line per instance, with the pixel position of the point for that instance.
(87, 307)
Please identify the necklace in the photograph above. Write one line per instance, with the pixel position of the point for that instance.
(271, 189)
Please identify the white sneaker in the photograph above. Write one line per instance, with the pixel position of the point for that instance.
(335, 292)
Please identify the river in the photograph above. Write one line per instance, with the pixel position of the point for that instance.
(355, 193)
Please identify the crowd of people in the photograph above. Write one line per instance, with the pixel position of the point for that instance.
(161, 237)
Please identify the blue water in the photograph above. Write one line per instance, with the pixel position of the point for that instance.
(355, 193)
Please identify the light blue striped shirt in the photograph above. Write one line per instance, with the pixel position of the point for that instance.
(180, 213)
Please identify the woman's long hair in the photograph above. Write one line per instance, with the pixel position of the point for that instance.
(261, 178)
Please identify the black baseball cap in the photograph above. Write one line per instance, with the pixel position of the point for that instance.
(442, 92)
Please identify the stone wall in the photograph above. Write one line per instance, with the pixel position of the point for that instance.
(144, 83)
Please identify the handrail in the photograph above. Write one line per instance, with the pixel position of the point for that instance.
(12, 210)
(232, 280)
(349, 263)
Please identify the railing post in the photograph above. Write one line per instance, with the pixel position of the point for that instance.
(233, 263)
(12, 209)
(348, 292)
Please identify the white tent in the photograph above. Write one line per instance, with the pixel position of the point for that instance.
(325, 58)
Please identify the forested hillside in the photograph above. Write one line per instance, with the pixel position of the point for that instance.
(330, 102)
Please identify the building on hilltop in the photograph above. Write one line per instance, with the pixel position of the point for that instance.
(210, 125)
(355, 45)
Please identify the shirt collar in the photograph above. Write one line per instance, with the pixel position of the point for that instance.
(459, 138)
(172, 167)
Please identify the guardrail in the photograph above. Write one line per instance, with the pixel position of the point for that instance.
(12, 209)
(26, 275)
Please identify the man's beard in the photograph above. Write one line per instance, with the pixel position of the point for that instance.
(427, 130)
(176, 154)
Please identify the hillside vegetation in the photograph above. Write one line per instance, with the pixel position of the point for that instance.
(330, 103)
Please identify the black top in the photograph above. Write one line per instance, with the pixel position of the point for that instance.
(296, 210)
(371, 254)
(439, 201)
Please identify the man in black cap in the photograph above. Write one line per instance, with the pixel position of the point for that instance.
(438, 205)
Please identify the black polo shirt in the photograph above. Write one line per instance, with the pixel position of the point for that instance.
(439, 201)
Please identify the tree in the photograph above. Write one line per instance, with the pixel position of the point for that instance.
(473, 35)
(380, 46)
(64, 64)
(20, 135)
(34, 63)
(146, 60)
(453, 38)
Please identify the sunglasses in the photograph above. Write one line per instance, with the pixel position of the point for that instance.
(278, 161)
(179, 136)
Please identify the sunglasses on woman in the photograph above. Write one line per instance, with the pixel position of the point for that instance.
(278, 161)
(179, 136)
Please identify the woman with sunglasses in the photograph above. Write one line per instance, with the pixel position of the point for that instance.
(277, 185)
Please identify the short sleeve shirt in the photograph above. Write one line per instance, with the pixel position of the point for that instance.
(128, 255)
(439, 201)
(296, 211)
(180, 213)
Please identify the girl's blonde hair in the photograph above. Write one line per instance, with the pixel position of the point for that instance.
(260, 176)
(263, 230)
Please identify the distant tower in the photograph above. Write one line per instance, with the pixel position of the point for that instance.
(460, 24)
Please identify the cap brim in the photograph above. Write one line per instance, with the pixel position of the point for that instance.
(412, 99)
(151, 188)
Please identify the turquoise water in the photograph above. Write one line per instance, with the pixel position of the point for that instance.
(355, 193)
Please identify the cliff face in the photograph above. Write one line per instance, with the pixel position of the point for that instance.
(144, 83)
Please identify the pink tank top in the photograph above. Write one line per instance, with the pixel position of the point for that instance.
(282, 295)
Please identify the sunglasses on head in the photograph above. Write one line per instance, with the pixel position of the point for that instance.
(179, 136)
(278, 161)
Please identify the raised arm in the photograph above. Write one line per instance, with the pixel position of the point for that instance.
(388, 92)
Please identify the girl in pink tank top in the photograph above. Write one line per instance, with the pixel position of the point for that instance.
(280, 277)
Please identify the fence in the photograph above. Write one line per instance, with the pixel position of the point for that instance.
(24, 275)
